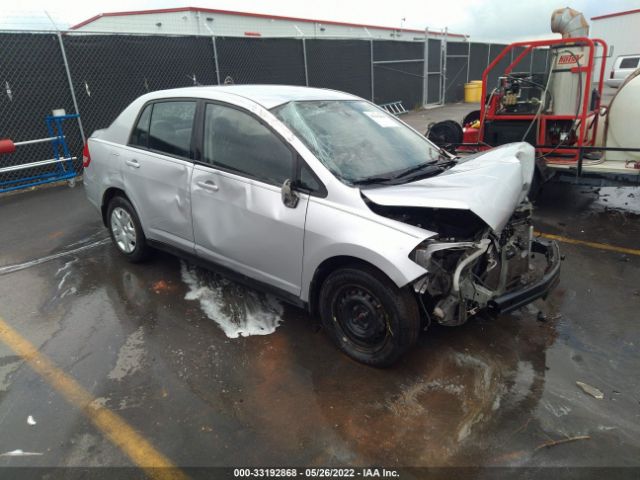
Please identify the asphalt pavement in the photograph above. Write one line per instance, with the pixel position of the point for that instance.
(153, 345)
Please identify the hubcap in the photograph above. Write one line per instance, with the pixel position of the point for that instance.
(124, 232)
(361, 317)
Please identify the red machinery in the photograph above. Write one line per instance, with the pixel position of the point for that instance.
(556, 111)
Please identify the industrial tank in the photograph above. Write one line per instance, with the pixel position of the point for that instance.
(622, 120)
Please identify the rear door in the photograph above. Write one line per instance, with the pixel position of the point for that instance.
(158, 168)
(239, 218)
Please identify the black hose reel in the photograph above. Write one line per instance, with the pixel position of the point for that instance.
(446, 134)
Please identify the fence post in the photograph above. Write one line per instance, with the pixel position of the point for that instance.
(425, 70)
(71, 89)
(304, 58)
(468, 59)
(372, 73)
(443, 55)
(215, 58)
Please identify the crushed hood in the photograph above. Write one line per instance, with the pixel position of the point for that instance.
(491, 185)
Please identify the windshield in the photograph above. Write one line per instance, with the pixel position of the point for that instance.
(356, 140)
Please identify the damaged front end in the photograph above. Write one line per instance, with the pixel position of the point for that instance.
(484, 256)
(498, 272)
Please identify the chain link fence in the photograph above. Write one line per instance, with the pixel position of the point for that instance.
(98, 75)
(108, 72)
(34, 82)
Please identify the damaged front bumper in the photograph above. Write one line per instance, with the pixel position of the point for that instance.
(488, 275)
(519, 297)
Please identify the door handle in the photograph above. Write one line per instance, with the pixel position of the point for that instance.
(132, 163)
(208, 185)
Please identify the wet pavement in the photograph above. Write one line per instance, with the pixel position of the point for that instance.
(162, 345)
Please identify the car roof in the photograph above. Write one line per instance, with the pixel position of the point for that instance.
(268, 96)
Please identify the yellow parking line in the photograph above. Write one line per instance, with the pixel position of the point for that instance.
(600, 246)
(134, 445)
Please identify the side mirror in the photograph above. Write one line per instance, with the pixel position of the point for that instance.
(289, 196)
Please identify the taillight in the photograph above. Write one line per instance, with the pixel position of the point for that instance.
(611, 74)
(86, 158)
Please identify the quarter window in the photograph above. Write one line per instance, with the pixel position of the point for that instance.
(171, 126)
(140, 135)
(236, 141)
(308, 180)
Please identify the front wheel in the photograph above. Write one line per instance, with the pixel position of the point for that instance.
(126, 231)
(367, 316)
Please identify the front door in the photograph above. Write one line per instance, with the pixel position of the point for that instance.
(239, 218)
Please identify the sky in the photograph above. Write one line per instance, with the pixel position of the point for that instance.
(489, 20)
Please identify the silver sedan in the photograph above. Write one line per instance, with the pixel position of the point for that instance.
(326, 199)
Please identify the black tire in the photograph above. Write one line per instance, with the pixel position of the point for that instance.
(141, 250)
(446, 134)
(347, 302)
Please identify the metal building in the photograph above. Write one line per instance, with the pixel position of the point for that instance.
(621, 31)
(225, 23)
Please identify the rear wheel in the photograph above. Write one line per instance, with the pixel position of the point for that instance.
(126, 231)
(367, 316)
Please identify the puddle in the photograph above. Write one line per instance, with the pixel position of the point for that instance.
(8, 365)
(619, 198)
(64, 276)
(130, 356)
(238, 311)
(31, 263)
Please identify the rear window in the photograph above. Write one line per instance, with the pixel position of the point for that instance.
(629, 62)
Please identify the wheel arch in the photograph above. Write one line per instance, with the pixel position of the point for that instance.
(107, 196)
(325, 268)
(331, 264)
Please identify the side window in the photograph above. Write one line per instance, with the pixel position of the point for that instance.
(236, 141)
(140, 134)
(171, 126)
(629, 62)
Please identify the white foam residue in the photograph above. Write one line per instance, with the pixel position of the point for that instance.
(65, 266)
(68, 291)
(620, 198)
(63, 273)
(238, 311)
(64, 278)
(556, 410)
